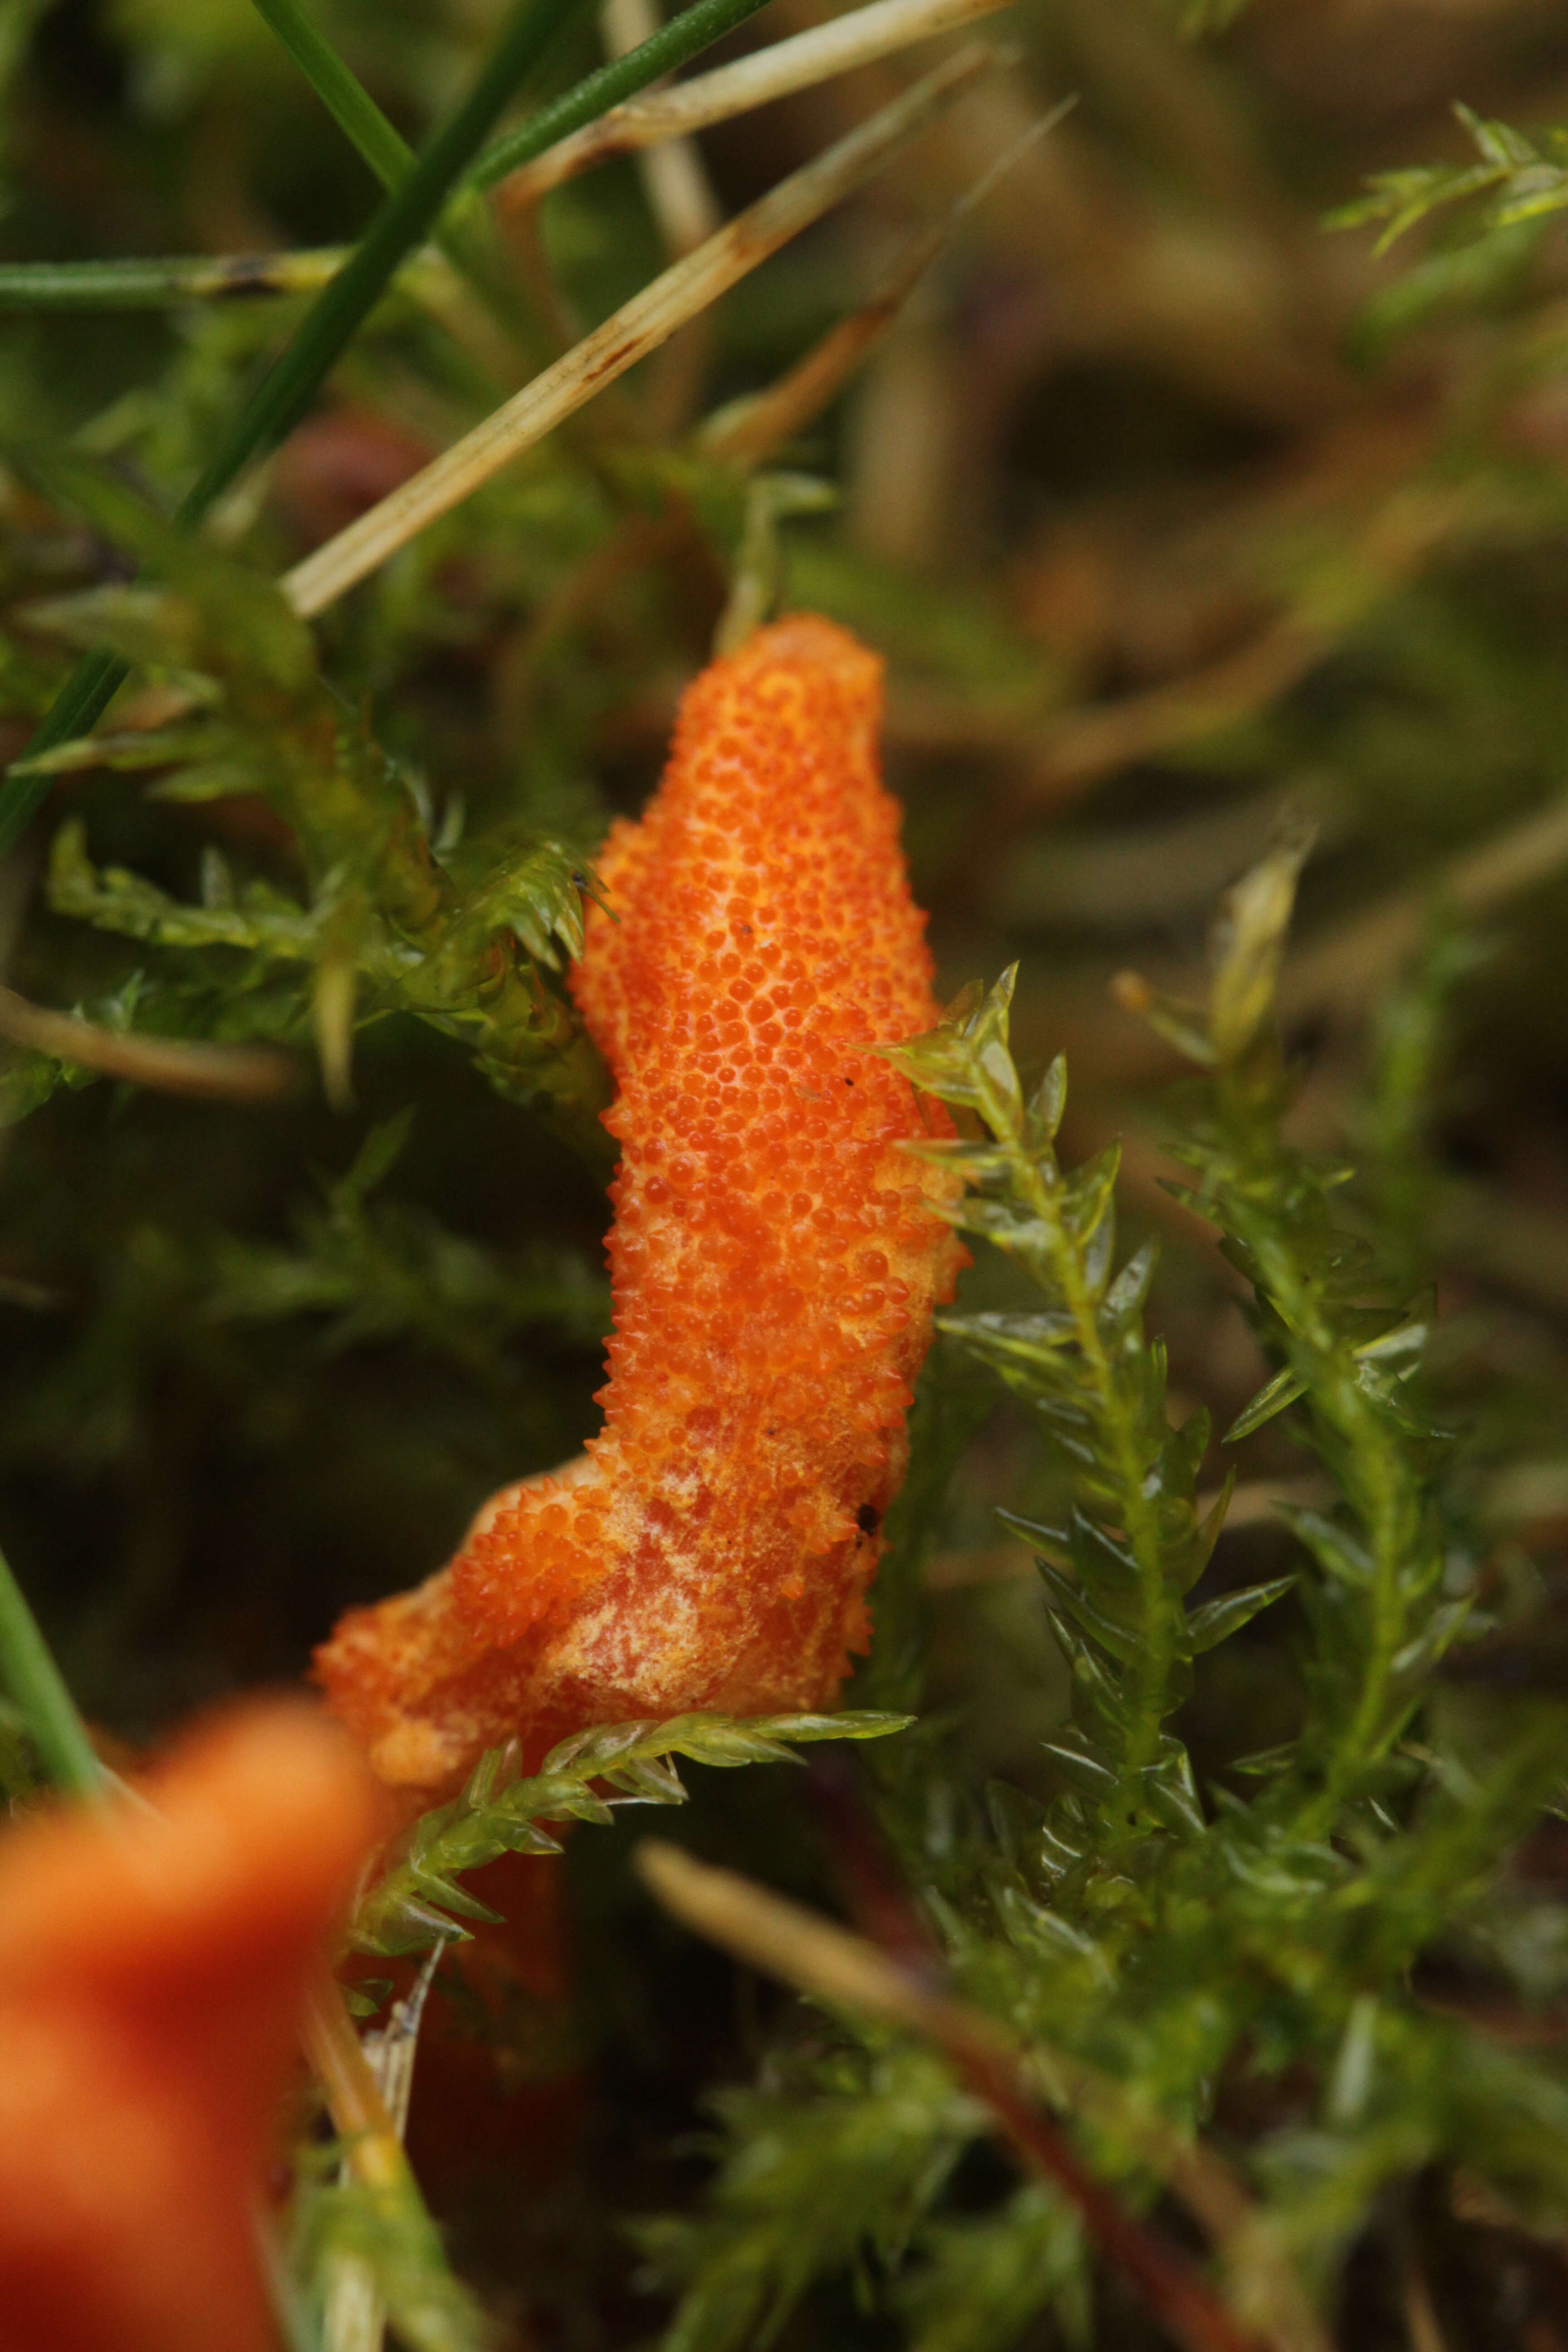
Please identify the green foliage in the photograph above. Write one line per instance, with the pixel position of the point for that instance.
(1393, 1128)
(1118, 1570)
(584, 1778)
(378, 1269)
(240, 1393)
(1184, 1942)
(384, 2240)
(43, 1707)
(838, 2170)
(981, 2282)
(1523, 177)
(1486, 259)
(390, 927)
(287, 391)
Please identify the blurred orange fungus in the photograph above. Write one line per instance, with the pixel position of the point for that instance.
(153, 1968)
(776, 1258)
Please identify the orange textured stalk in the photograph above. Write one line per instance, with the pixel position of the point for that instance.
(154, 1970)
(776, 1258)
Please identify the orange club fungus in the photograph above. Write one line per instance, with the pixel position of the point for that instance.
(154, 1964)
(776, 1258)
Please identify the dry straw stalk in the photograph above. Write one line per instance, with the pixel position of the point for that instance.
(640, 327)
(857, 39)
(179, 1065)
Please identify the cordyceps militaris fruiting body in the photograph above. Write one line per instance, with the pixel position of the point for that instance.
(776, 1258)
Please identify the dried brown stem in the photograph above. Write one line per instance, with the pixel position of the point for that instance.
(177, 1066)
(829, 1963)
(750, 429)
(373, 2150)
(675, 179)
(1083, 746)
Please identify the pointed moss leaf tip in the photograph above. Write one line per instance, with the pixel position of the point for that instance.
(1248, 943)
(501, 1811)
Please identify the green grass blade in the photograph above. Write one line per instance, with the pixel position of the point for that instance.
(388, 155)
(403, 222)
(684, 37)
(162, 280)
(350, 106)
(38, 1689)
(287, 392)
(75, 711)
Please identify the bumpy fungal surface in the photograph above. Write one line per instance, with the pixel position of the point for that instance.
(776, 1258)
(154, 1961)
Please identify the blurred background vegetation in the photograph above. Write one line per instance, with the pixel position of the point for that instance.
(1174, 509)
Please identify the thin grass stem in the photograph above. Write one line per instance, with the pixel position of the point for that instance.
(157, 282)
(350, 106)
(181, 1066)
(373, 2153)
(161, 281)
(679, 194)
(461, 235)
(746, 430)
